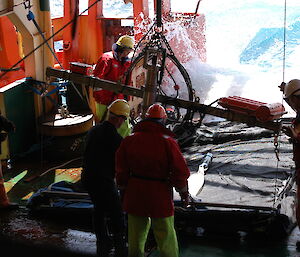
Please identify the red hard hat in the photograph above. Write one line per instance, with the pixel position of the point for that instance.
(156, 111)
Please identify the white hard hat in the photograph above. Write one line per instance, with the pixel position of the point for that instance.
(292, 88)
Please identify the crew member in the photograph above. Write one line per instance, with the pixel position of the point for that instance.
(148, 165)
(112, 66)
(6, 126)
(292, 97)
(98, 178)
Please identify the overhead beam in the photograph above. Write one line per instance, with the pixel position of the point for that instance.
(94, 82)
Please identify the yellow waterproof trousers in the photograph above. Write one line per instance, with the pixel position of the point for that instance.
(163, 230)
(101, 111)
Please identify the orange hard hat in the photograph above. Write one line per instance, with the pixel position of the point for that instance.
(156, 111)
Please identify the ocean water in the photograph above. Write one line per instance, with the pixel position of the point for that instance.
(245, 47)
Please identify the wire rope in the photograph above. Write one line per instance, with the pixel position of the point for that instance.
(284, 42)
(277, 137)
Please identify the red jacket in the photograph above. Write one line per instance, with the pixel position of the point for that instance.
(111, 69)
(149, 164)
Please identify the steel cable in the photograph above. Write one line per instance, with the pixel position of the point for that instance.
(277, 147)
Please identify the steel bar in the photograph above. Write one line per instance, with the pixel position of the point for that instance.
(159, 13)
(233, 206)
(222, 113)
(195, 106)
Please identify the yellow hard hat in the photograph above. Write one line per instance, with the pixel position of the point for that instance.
(119, 107)
(292, 88)
(126, 42)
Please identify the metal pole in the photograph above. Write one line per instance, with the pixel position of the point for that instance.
(151, 83)
(158, 13)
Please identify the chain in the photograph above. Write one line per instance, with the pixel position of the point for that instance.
(196, 98)
(167, 44)
(276, 149)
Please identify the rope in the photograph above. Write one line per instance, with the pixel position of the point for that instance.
(30, 16)
(62, 28)
(59, 166)
(8, 70)
(197, 7)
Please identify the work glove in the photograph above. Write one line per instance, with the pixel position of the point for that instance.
(184, 195)
(3, 136)
(282, 86)
(185, 198)
(289, 131)
(121, 190)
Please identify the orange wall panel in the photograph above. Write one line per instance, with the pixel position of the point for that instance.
(57, 24)
(9, 52)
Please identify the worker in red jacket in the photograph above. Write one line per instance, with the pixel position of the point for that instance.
(149, 164)
(112, 66)
(292, 97)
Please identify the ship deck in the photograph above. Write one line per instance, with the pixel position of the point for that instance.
(246, 188)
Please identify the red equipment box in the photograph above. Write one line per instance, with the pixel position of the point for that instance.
(262, 111)
(81, 68)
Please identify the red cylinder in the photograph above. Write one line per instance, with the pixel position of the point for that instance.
(262, 111)
(269, 112)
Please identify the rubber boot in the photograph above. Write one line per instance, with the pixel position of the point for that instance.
(104, 248)
(121, 249)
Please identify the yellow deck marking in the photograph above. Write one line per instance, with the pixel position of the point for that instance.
(70, 175)
(11, 183)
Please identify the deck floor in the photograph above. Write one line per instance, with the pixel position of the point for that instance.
(242, 172)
